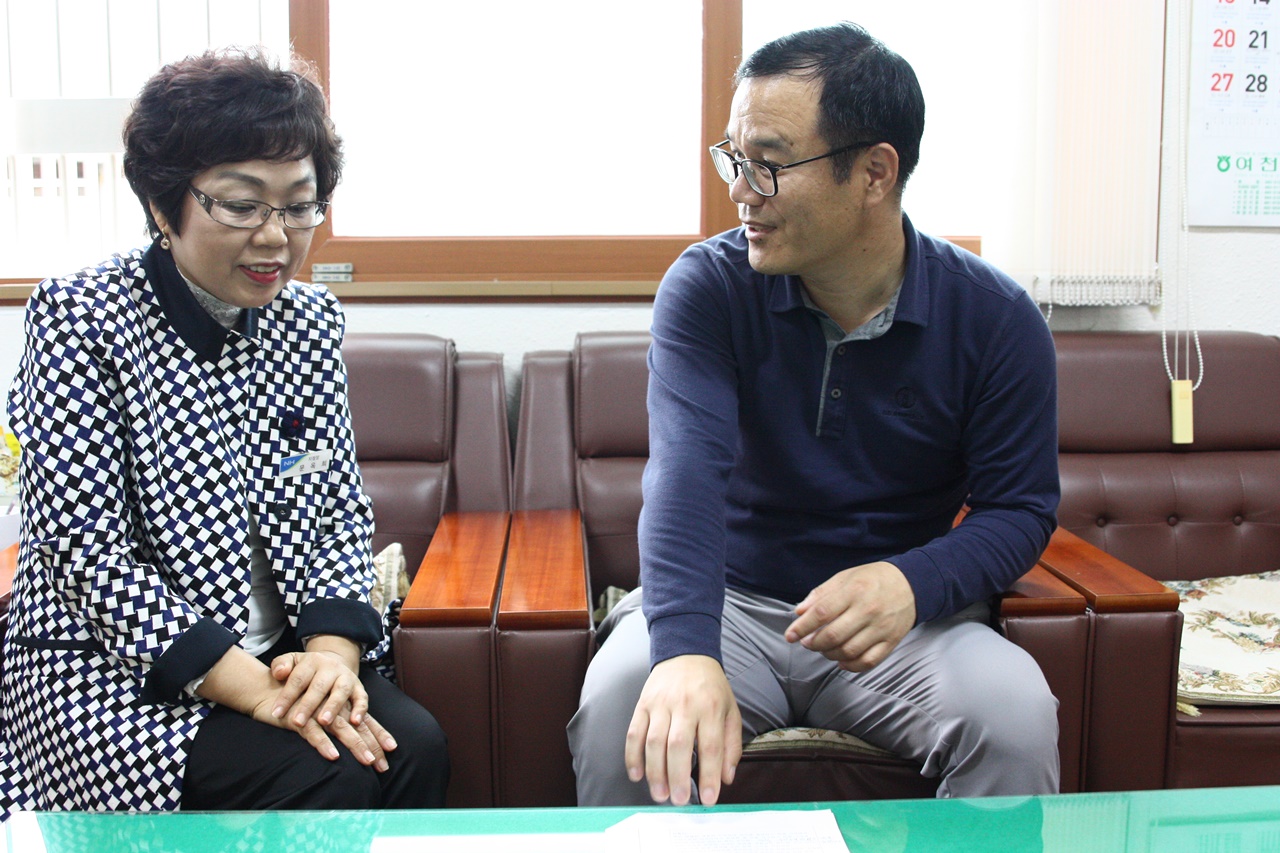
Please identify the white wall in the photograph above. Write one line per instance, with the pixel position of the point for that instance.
(1232, 277)
(511, 330)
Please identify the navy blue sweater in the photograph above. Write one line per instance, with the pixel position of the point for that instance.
(955, 403)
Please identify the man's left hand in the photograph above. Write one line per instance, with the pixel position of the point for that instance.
(857, 617)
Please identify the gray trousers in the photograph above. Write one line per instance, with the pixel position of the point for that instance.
(970, 706)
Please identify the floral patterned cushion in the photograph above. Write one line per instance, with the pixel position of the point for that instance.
(1230, 640)
(790, 738)
(391, 580)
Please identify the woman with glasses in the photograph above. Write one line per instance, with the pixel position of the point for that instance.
(190, 624)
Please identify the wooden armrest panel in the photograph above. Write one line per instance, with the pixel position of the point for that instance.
(457, 583)
(1041, 593)
(544, 584)
(1108, 584)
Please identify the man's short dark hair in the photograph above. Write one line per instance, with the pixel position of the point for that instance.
(227, 106)
(868, 91)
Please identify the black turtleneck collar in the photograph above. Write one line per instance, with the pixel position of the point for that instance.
(203, 334)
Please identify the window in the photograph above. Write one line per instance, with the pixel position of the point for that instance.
(1010, 152)
(1016, 93)
(569, 133)
(505, 245)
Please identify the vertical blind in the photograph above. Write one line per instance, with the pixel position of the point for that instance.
(68, 72)
(1100, 152)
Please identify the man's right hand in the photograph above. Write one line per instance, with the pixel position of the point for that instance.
(686, 704)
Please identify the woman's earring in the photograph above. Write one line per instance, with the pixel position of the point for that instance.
(164, 242)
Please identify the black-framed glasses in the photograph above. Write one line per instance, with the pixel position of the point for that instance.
(763, 177)
(247, 213)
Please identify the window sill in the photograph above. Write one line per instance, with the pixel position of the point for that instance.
(16, 292)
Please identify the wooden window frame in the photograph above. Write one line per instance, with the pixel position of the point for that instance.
(627, 266)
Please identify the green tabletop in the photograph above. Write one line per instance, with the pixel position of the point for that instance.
(1246, 820)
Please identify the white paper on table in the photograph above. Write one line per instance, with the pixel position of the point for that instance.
(549, 842)
(22, 831)
(732, 832)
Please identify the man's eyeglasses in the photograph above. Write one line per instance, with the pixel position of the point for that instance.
(246, 213)
(763, 177)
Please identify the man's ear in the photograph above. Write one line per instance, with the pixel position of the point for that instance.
(879, 167)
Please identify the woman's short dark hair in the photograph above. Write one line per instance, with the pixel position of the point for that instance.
(868, 91)
(224, 106)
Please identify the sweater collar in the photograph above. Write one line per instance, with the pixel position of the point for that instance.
(203, 334)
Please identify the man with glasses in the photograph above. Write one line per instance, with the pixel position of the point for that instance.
(828, 387)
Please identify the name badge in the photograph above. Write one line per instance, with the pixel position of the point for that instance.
(305, 463)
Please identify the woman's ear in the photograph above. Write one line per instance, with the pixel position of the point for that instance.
(161, 221)
(162, 225)
(880, 171)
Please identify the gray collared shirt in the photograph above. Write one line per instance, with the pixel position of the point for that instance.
(836, 336)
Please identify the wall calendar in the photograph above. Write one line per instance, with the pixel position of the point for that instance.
(1233, 138)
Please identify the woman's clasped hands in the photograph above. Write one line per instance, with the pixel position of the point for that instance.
(318, 694)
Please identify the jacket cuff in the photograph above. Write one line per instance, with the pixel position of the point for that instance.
(343, 617)
(189, 657)
(685, 634)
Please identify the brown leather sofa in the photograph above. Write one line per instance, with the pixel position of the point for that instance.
(1135, 506)
(432, 441)
(582, 443)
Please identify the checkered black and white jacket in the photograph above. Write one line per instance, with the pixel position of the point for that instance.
(146, 429)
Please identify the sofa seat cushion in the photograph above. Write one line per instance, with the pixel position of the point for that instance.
(824, 741)
(1230, 640)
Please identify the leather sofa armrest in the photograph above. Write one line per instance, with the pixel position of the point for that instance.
(545, 638)
(545, 582)
(457, 583)
(1133, 666)
(1048, 619)
(1108, 585)
(444, 644)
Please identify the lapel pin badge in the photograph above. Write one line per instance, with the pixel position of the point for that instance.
(292, 424)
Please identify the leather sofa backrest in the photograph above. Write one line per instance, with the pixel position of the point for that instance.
(611, 437)
(401, 393)
(582, 443)
(430, 431)
(1206, 509)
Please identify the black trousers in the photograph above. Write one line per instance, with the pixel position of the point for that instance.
(237, 763)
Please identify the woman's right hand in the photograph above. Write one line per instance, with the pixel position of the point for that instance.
(243, 683)
(363, 741)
